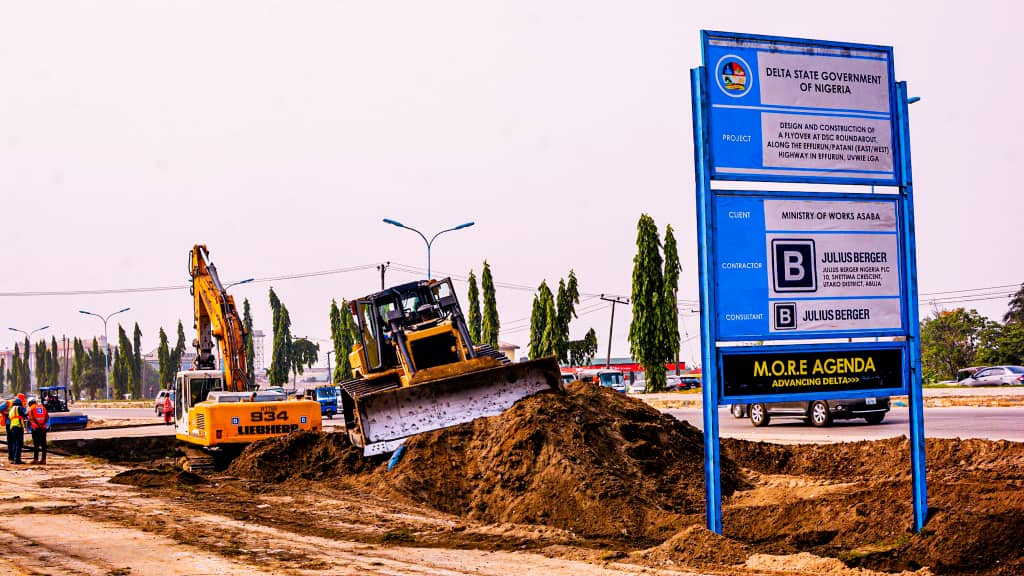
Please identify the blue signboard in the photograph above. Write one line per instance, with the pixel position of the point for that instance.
(820, 267)
(792, 110)
(791, 266)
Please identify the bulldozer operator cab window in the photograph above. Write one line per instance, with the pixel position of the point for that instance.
(368, 334)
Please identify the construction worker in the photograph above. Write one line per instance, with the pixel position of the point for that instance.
(168, 409)
(39, 421)
(18, 416)
(4, 407)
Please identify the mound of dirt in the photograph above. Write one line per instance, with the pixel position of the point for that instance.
(698, 547)
(303, 454)
(975, 498)
(120, 450)
(592, 461)
(158, 478)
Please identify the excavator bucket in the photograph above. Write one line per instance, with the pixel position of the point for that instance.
(381, 416)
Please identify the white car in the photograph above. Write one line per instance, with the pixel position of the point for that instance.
(996, 376)
(161, 396)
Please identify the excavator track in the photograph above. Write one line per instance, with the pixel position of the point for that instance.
(196, 460)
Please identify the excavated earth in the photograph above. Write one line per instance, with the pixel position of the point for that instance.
(598, 479)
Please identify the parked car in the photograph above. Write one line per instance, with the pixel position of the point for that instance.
(817, 412)
(673, 382)
(160, 397)
(609, 378)
(996, 376)
(636, 386)
(568, 378)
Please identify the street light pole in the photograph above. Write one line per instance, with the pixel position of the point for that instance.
(330, 376)
(28, 338)
(106, 345)
(246, 281)
(430, 242)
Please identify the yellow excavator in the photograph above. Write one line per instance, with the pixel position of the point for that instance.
(217, 409)
(415, 368)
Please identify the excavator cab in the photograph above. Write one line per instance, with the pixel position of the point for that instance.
(415, 368)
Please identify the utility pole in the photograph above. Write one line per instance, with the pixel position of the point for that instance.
(611, 326)
(330, 375)
(382, 268)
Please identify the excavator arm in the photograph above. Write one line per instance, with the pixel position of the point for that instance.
(217, 318)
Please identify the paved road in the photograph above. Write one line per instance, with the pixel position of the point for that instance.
(990, 423)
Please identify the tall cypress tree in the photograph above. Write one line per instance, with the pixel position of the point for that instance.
(669, 307)
(250, 350)
(490, 325)
(163, 357)
(343, 337)
(42, 356)
(539, 346)
(124, 379)
(647, 330)
(568, 298)
(3, 373)
(55, 362)
(280, 362)
(26, 369)
(136, 363)
(474, 319)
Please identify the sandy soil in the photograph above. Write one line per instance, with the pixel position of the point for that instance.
(507, 495)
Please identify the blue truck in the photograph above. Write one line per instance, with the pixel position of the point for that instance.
(327, 396)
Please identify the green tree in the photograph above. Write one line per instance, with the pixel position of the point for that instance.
(167, 370)
(123, 359)
(581, 352)
(3, 373)
(343, 337)
(539, 320)
(950, 341)
(135, 380)
(549, 339)
(42, 357)
(1015, 312)
(280, 362)
(15, 378)
(178, 352)
(55, 356)
(474, 319)
(1001, 344)
(304, 355)
(250, 350)
(77, 367)
(568, 298)
(671, 310)
(490, 324)
(647, 330)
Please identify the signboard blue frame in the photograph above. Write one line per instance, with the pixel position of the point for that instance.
(852, 299)
(725, 148)
(790, 110)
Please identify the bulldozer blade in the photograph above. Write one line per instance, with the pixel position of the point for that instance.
(388, 417)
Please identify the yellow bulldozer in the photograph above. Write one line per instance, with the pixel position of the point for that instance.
(416, 369)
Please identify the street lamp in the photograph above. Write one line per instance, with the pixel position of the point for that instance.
(330, 376)
(106, 345)
(28, 338)
(431, 241)
(246, 281)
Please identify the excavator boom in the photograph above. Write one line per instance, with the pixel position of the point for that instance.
(217, 318)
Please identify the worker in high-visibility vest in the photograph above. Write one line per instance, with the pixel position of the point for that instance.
(18, 418)
(5, 405)
(39, 421)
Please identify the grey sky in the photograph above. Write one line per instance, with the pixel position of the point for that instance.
(280, 133)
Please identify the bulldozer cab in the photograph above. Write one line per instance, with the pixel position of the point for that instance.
(386, 318)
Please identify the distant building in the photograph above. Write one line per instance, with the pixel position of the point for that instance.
(508, 349)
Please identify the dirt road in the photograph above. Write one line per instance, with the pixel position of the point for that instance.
(587, 483)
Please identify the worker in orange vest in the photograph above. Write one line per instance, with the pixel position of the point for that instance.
(4, 407)
(39, 421)
(168, 409)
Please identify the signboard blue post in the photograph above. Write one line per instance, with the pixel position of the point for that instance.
(818, 267)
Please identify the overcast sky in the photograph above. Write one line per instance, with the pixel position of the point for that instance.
(281, 133)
